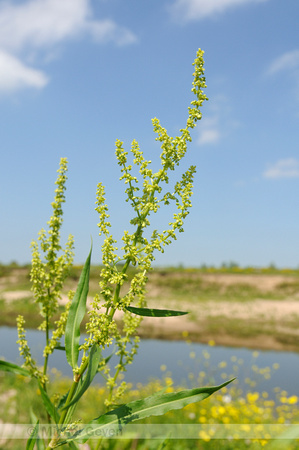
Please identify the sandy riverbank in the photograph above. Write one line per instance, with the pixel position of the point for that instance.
(255, 322)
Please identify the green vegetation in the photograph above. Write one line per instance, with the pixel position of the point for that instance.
(75, 270)
(66, 406)
(50, 268)
(190, 289)
(200, 289)
(245, 411)
(175, 282)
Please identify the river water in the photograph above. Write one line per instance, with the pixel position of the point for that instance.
(183, 362)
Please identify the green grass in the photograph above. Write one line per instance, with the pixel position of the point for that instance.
(28, 309)
(198, 289)
(220, 324)
(25, 307)
(175, 285)
(228, 406)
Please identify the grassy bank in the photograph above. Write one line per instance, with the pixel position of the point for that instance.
(231, 406)
(221, 305)
(231, 305)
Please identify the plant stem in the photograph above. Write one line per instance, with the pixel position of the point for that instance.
(47, 355)
(70, 396)
(72, 390)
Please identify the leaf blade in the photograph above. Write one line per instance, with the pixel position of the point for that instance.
(10, 367)
(75, 316)
(40, 445)
(51, 409)
(32, 438)
(150, 312)
(157, 404)
(92, 369)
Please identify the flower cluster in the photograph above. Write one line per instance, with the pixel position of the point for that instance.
(48, 276)
(144, 192)
(59, 331)
(24, 350)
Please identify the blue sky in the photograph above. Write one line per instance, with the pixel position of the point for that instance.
(75, 75)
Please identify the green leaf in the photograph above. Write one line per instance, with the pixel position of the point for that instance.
(94, 359)
(155, 312)
(155, 405)
(51, 409)
(33, 417)
(73, 446)
(59, 347)
(33, 436)
(289, 436)
(10, 367)
(164, 444)
(71, 409)
(40, 445)
(107, 359)
(62, 400)
(75, 316)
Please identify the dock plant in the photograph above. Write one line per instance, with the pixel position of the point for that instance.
(146, 191)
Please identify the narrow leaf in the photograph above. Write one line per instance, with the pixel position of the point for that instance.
(155, 405)
(155, 312)
(40, 445)
(94, 359)
(62, 400)
(71, 409)
(289, 436)
(51, 409)
(75, 316)
(107, 359)
(33, 417)
(73, 446)
(59, 347)
(32, 438)
(10, 367)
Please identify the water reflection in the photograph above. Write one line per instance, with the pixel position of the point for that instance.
(183, 362)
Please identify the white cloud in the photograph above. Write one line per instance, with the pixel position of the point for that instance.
(41, 25)
(15, 75)
(209, 131)
(287, 61)
(107, 30)
(188, 10)
(284, 168)
(288, 64)
(209, 136)
(218, 123)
